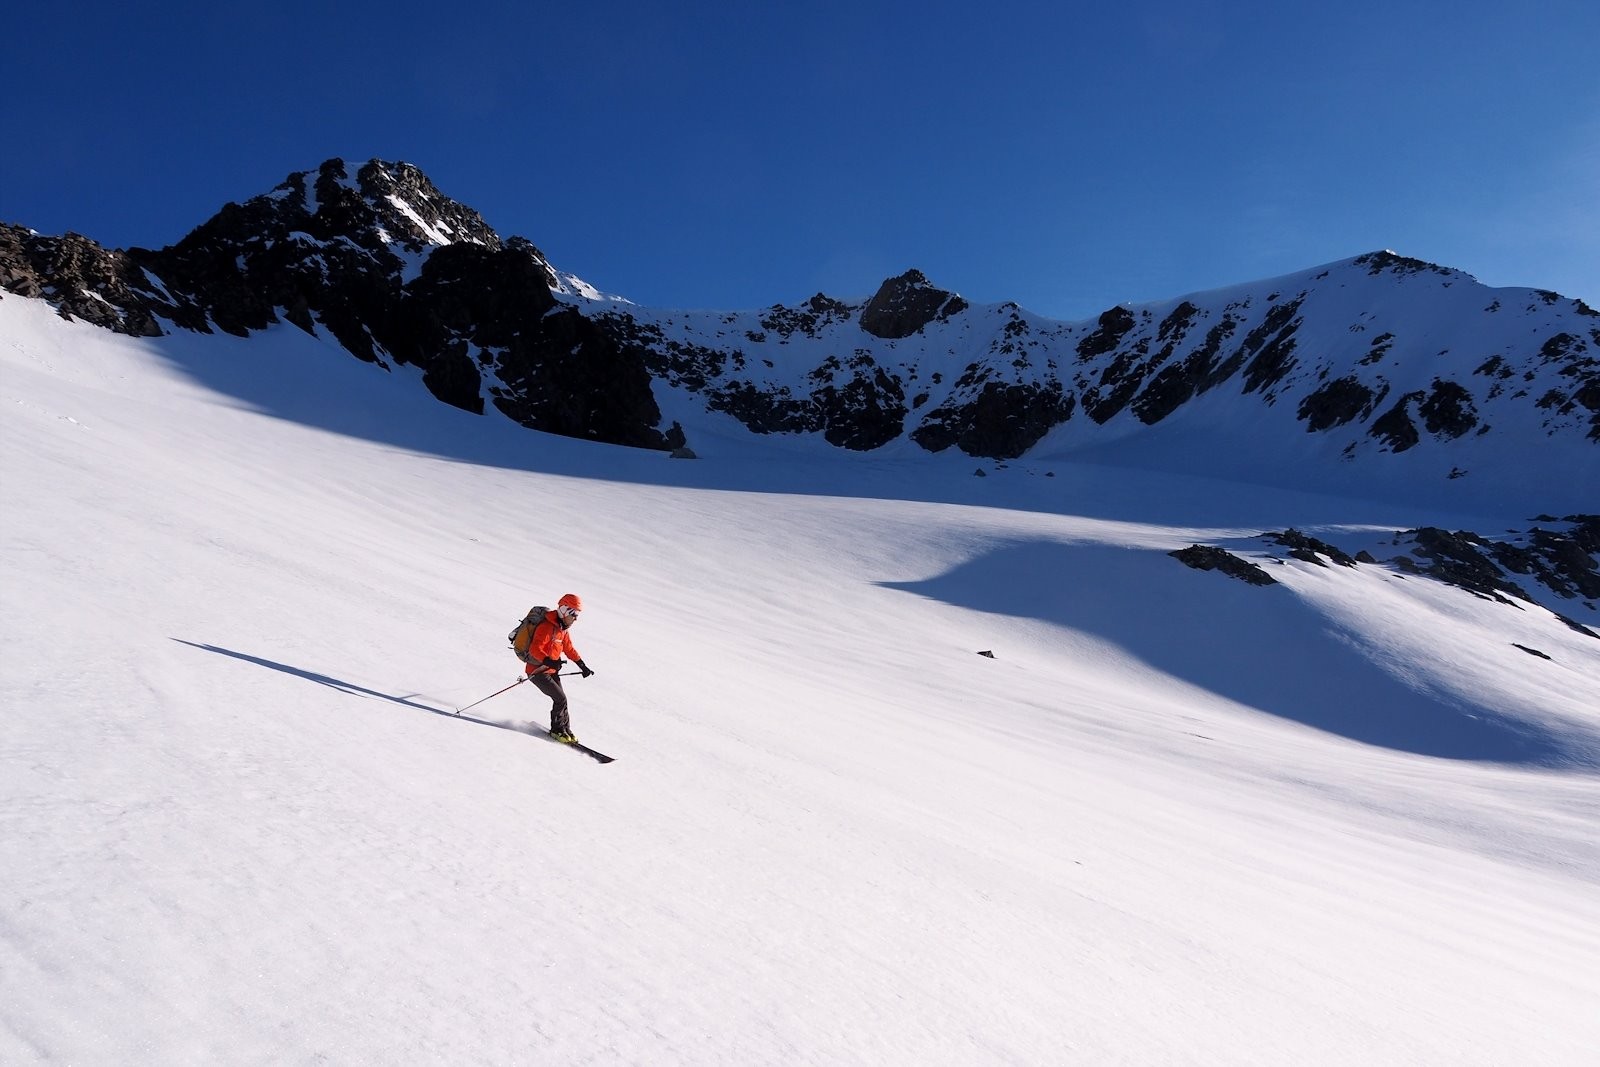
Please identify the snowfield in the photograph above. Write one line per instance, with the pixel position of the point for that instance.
(1175, 819)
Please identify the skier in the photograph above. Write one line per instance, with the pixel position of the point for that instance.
(550, 640)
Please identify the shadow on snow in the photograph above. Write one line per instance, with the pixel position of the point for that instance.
(348, 687)
(1264, 648)
(289, 375)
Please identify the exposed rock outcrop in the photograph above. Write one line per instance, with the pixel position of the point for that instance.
(906, 304)
(1212, 558)
(389, 268)
(81, 279)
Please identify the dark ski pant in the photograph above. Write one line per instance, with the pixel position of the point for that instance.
(550, 686)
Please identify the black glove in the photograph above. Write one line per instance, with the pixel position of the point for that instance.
(583, 668)
(553, 664)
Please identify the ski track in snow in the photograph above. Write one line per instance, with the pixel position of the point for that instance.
(243, 825)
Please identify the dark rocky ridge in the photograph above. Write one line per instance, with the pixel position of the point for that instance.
(1560, 555)
(385, 265)
(328, 251)
(1212, 558)
(906, 304)
(67, 270)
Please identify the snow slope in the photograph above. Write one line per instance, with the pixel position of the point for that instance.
(1175, 819)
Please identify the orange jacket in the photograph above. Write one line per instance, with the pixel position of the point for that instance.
(549, 641)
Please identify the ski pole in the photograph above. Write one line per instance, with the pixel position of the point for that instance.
(494, 694)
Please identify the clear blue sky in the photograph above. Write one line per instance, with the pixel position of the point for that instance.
(735, 155)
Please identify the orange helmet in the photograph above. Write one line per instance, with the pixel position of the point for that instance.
(570, 600)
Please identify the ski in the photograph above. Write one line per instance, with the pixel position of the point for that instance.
(599, 757)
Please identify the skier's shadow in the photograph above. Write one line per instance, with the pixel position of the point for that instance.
(346, 687)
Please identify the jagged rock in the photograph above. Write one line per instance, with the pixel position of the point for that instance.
(1565, 562)
(1309, 549)
(1562, 561)
(1585, 532)
(1113, 326)
(394, 270)
(1457, 558)
(1338, 402)
(1575, 625)
(1176, 383)
(81, 279)
(808, 319)
(1120, 379)
(1379, 262)
(1212, 558)
(1001, 422)
(1269, 348)
(1395, 428)
(1447, 411)
(567, 377)
(1175, 327)
(866, 411)
(1583, 370)
(906, 304)
(468, 298)
(765, 410)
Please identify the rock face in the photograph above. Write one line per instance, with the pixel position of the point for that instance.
(1377, 356)
(1310, 549)
(906, 304)
(82, 280)
(1559, 556)
(390, 269)
(1212, 558)
(1557, 559)
(999, 421)
(1562, 559)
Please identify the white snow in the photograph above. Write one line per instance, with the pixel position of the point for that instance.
(434, 235)
(568, 284)
(244, 583)
(313, 202)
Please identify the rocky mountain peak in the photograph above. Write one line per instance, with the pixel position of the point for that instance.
(386, 219)
(1389, 262)
(905, 304)
(403, 205)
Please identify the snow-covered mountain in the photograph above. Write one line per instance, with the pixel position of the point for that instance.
(1348, 817)
(1377, 371)
(1123, 752)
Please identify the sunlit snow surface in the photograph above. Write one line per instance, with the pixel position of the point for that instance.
(1175, 819)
